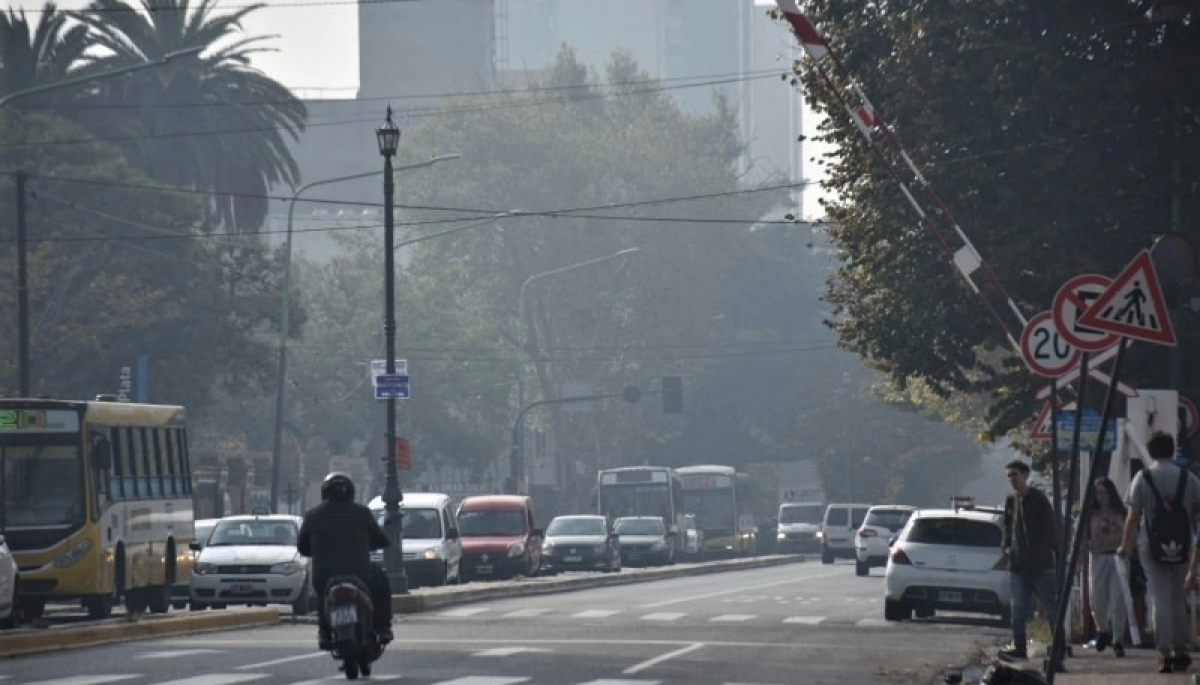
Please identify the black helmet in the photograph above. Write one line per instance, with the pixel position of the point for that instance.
(337, 487)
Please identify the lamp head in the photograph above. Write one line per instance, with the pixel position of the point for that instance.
(388, 136)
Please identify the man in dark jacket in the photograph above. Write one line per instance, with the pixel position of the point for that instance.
(339, 535)
(1030, 535)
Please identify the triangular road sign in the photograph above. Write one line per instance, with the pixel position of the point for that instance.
(1133, 306)
(1043, 426)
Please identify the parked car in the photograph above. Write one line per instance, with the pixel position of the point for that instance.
(499, 537)
(580, 543)
(251, 560)
(8, 586)
(645, 541)
(837, 530)
(430, 543)
(883, 522)
(799, 524)
(948, 559)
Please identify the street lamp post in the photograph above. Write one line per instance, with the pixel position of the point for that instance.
(517, 460)
(388, 136)
(22, 256)
(281, 376)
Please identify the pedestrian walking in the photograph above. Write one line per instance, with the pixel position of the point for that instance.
(1030, 532)
(1106, 582)
(1167, 498)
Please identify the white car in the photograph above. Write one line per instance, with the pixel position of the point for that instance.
(948, 560)
(883, 522)
(430, 542)
(251, 560)
(8, 585)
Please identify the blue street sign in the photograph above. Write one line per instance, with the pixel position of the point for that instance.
(389, 386)
(1089, 431)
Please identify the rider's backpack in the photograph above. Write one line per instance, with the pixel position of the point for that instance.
(1170, 529)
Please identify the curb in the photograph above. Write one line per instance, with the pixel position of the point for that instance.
(120, 630)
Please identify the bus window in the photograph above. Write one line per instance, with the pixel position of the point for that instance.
(101, 461)
(179, 437)
(126, 454)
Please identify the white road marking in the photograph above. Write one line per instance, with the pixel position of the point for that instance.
(709, 595)
(175, 653)
(873, 623)
(805, 620)
(276, 662)
(663, 616)
(375, 677)
(483, 680)
(85, 680)
(508, 651)
(617, 681)
(731, 618)
(661, 658)
(595, 613)
(526, 613)
(217, 679)
(463, 612)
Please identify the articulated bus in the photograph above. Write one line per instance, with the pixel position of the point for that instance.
(713, 494)
(644, 491)
(96, 503)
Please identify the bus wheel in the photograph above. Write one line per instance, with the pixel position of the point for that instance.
(158, 598)
(98, 606)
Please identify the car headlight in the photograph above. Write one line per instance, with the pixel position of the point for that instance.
(287, 568)
(432, 553)
(781, 536)
(516, 549)
(73, 555)
(201, 568)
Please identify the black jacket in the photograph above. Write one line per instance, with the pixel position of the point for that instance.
(1029, 532)
(339, 536)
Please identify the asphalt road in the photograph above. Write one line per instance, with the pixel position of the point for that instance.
(798, 624)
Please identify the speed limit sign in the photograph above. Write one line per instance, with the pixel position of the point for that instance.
(1045, 350)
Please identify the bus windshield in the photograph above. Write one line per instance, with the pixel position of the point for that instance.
(713, 508)
(650, 499)
(41, 480)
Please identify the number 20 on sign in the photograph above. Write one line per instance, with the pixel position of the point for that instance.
(1045, 351)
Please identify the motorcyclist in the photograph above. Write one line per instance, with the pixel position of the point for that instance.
(339, 535)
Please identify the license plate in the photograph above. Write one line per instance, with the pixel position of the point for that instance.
(573, 560)
(483, 568)
(949, 596)
(241, 588)
(343, 615)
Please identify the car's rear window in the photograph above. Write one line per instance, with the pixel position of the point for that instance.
(954, 531)
(893, 519)
(639, 527)
(576, 527)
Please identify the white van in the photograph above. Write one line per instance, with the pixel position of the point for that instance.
(837, 530)
(432, 549)
(799, 523)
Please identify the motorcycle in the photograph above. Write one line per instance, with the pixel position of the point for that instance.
(351, 619)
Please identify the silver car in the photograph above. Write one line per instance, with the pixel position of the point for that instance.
(8, 585)
(251, 560)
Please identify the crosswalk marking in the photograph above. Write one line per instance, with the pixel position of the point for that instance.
(175, 653)
(85, 680)
(663, 616)
(375, 678)
(596, 613)
(463, 612)
(526, 613)
(805, 620)
(612, 681)
(276, 662)
(484, 680)
(731, 618)
(508, 651)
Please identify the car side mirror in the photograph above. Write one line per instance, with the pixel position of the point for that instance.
(452, 534)
(537, 533)
(194, 546)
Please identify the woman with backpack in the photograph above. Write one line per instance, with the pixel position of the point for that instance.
(1168, 498)
(1105, 594)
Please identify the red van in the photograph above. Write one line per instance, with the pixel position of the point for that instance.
(499, 537)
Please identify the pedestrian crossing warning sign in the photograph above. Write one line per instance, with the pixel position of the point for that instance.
(1043, 427)
(1133, 305)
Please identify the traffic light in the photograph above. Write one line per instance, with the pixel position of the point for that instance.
(672, 394)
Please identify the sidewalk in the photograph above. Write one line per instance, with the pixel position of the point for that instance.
(1086, 667)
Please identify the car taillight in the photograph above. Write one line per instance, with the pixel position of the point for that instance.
(899, 557)
(867, 533)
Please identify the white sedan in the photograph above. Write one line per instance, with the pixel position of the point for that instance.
(251, 560)
(948, 560)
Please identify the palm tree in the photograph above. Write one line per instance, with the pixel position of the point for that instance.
(211, 123)
(51, 52)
